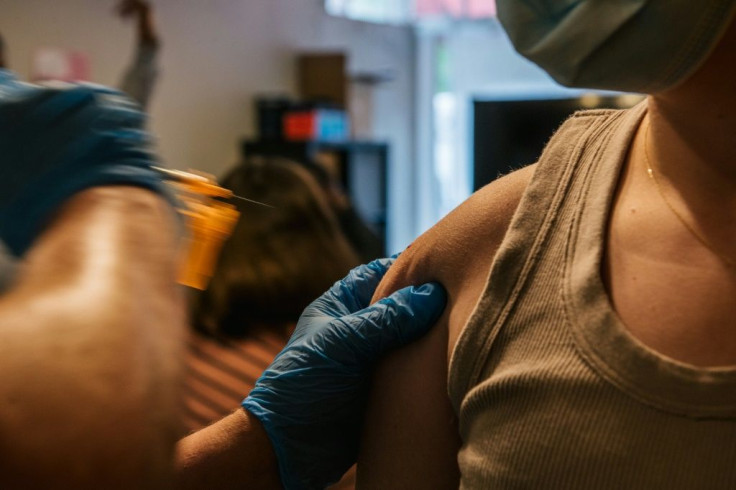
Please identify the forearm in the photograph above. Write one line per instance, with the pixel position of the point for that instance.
(147, 27)
(140, 77)
(232, 453)
(90, 338)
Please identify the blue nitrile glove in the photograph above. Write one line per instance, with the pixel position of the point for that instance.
(311, 399)
(56, 140)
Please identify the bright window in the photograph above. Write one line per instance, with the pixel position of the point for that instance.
(383, 11)
(468, 9)
(405, 11)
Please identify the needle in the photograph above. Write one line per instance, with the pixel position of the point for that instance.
(254, 202)
(180, 176)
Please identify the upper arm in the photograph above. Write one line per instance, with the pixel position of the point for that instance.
(410, 437)
(90, 337)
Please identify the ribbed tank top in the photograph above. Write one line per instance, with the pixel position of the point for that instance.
(550, 389)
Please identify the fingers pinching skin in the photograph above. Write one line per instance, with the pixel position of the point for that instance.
(355, 291)
(311, 400)
(403, 316)
(364, 337)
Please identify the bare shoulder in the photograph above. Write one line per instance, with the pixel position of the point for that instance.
(444, 251)
(458, 251)
(411, 436)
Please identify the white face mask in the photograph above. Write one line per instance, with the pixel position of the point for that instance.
(629, 45)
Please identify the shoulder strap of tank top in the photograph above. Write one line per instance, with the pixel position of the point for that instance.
(529, 229)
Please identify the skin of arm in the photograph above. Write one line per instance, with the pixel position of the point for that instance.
(2, 52)
(234, 452)
(146, 25)
(91, 335)
(410, 437)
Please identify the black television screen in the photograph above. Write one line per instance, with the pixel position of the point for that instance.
(509, 134)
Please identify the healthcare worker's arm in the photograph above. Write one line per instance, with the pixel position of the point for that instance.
(411, 436)
(90, 338)
(91, 327)
(234, 452)
(310, 402)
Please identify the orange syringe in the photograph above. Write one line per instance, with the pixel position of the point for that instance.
(210, 220)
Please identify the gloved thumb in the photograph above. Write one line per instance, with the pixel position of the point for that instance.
(398, 319)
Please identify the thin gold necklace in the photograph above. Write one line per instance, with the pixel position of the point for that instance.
(727, 260)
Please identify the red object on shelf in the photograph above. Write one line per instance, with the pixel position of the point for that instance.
(300, 126)
(316, 125)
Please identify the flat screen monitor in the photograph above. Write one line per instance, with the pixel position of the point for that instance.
(510, 134)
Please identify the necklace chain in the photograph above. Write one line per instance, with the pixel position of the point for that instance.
(727, 260)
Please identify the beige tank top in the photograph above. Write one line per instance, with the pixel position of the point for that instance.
(550, 389)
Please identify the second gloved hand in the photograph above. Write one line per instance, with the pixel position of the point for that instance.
(311, 400)
(60, 139)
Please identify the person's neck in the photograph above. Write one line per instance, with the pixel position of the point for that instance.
(692, 141)
(693, 126)
(690, 146)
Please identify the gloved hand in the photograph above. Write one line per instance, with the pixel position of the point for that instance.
(57, 140)
(311, 399)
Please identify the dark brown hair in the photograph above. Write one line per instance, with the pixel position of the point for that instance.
(278, 259)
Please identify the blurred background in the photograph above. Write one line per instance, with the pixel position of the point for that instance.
(409, 104)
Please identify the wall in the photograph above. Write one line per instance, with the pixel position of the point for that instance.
(469, 60)
(217, 55)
